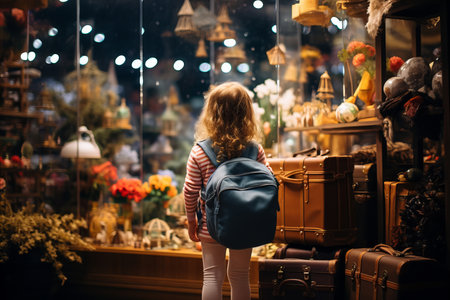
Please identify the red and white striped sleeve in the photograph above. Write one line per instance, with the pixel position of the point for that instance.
(192, 184)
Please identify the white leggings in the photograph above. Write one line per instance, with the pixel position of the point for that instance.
(214, 264)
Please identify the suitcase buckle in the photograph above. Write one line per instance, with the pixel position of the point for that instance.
(384, 279)
(306, 272)
(280, 273)
(353, 272)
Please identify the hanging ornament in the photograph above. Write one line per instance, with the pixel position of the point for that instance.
(276, 56)
(235, 54)
(310, 13)
(325, 92)
(222, 30)
(203, 19)
(201, 49)
(291, 73)
(185, 27)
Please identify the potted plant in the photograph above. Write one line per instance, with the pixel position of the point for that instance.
(34, 245)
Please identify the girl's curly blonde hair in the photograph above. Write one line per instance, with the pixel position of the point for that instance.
(228, 120)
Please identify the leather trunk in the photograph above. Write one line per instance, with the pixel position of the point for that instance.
(365, 196)
(395, 195)
(316, 200)
(383, 273)
(292, 278)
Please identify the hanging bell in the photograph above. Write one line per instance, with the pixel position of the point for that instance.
(276, 56)
(201, 49)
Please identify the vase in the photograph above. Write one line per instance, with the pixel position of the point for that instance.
(124, 214)
(102, 222)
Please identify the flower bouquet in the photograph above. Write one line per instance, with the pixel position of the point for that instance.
(362, 57)
(266, 110)
(127, 190)
(159, 189)
(124, 192)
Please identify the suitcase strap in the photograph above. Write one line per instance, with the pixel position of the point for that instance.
(288, 176)
(278, 290)
(391, 251)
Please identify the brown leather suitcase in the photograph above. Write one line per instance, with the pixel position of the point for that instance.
(293, 278)
(395, 196)
(365, 196)
(384, 273)
(316, 200)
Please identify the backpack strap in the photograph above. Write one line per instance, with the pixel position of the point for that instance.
(206, 145)
(251, 151)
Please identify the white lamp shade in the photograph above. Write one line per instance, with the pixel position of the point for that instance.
(84, 148)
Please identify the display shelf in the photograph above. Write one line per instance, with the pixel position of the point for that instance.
(342, 128)
(419, 12)
(136, 273)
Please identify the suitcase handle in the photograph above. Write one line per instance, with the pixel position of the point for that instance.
(389, 250)
(287, 177)
(307, 293)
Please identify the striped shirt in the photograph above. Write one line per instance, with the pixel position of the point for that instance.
(198, 170)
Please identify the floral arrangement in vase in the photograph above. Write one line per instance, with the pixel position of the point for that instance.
(265, 108)
(362, 58)
(127, 190)
(159, 189)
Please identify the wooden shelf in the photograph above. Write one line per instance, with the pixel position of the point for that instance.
(18, 114)
(343, 128)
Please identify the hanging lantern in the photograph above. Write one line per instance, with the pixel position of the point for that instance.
(203, 19)
(310, 13)
(235, 54)
(185, 27)
(276, 56)
(291, 73)
(201, 49)
(325, 92)
(222, 31)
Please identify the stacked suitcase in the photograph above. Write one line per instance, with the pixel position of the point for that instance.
(317, 221)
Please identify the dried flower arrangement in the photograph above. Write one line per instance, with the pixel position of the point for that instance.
(54, 237)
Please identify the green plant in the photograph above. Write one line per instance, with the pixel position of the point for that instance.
(54, 237)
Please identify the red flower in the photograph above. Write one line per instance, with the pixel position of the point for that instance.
(395, 63)
(16, 161)
(106, 173)
(19, 16)
(128, 188)
(355, 45)
(358, 60)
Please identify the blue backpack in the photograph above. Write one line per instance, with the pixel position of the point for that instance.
(241, 200)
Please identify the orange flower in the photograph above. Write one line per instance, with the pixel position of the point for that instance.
(159, 188)
(355, 45)
(106, 173)
(395, 63)
(358, 60)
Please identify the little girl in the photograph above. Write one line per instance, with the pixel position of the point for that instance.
(228, 120)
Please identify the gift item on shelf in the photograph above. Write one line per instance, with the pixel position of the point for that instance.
(310, 13)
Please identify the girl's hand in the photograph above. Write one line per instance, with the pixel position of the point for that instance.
(192, 229)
